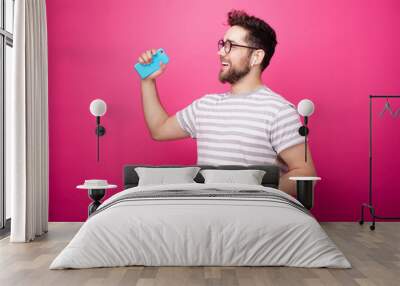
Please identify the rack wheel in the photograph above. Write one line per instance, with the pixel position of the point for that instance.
(372, 227)
(361, 222)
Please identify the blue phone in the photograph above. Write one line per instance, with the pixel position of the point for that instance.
(144, 70)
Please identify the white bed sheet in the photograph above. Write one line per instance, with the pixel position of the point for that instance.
(200, 231)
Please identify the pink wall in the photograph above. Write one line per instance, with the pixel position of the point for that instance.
(333, 52)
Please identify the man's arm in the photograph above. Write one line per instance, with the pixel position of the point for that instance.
(294, 158)
(161, 126)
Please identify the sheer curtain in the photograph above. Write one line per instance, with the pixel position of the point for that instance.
(27, 124)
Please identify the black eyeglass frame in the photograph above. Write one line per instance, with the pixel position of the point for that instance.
(221, 44)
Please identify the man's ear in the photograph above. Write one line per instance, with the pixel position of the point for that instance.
(258, 57)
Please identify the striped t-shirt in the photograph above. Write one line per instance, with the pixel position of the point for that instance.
(243, 129)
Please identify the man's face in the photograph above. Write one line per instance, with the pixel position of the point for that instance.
(236, 64)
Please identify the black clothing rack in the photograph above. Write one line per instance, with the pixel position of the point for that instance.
(369, 205)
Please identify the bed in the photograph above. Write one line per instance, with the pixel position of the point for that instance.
(201, 224)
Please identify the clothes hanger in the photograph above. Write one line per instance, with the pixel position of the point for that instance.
(387, 107)
(397, 113)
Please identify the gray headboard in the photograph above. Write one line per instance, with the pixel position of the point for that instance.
(270, 179)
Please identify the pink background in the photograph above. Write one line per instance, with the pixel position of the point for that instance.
(333, 52)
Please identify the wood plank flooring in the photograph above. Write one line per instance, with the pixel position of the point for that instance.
(375, 257)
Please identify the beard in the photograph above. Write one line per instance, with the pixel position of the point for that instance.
(233, 75)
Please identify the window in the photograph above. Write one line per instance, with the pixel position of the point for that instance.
(6, 45)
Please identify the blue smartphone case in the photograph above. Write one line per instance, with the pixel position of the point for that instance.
(144, 70)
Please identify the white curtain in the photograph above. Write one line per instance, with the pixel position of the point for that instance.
(27, 123)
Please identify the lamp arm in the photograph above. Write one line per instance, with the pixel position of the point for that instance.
(98, 136)
(305, 137)
(305, 147)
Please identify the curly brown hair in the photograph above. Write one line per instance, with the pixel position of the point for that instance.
(260, 34)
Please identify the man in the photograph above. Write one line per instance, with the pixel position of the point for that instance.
(248, 125)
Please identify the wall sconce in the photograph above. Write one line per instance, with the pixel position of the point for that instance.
(304, 185)
(98, 108)
(305, 108)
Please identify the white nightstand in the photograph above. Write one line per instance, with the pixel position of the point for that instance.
(96, 191)
(304, 188)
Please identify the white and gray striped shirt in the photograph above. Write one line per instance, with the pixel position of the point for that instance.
(244, 129)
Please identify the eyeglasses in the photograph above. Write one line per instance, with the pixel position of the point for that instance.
(227, 45)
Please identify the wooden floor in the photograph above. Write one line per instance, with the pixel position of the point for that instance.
(375, 257)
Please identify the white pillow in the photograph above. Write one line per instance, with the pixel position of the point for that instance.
(249, 177)
(163, 175)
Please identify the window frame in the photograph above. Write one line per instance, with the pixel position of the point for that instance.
(6, 39)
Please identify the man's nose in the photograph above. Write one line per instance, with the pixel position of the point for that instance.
(221, 52)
